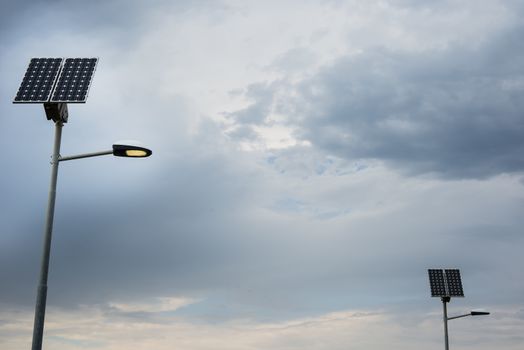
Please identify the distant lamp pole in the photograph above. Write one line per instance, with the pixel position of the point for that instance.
(54, 82)
(446, 283)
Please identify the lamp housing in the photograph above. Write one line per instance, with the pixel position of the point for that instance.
(130, 149)
(479, 313)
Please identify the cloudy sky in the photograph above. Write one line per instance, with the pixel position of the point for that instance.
(312, 159)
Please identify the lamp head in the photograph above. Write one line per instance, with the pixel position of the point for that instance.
(133, 149)
(479, 313)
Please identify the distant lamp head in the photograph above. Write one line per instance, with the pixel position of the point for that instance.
(130, 149)
(479, 313)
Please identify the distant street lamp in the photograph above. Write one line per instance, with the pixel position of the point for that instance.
(56, 82)
(446, 283)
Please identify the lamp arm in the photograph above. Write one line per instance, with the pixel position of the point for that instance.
(454, 317)
(85, 155)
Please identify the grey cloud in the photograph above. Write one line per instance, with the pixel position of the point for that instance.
(294, 61)
(139, 243)
(256, 112)
(200, 235)
(119, 21)
(243, 132)
(201, 226)
(456, 113)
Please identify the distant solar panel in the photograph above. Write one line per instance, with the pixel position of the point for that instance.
(454, 283)
(437, 282)
(38, 80)
(445, 283)
(74, 80)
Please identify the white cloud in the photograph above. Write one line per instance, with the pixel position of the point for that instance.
(163, 304)
(94, 328)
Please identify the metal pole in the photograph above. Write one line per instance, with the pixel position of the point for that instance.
(38, 329)
(445, 300)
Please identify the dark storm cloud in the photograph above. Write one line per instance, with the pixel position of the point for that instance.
(120, 20)
(454, 112)
(38, 18)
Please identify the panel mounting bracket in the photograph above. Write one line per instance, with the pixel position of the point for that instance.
(56, 112)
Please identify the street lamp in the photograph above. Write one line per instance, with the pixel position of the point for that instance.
(446, 283)
(56, 82)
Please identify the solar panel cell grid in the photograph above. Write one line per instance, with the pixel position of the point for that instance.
(454, 283)
(38, 80)
(74, 81)
(437, 283)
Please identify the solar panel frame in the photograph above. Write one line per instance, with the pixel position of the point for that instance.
(74, 81)
(39, 80)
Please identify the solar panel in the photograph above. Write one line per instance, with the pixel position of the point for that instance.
(437, 282)
(38, 80)
(74, 80)
(445, 283)
(454, 283)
